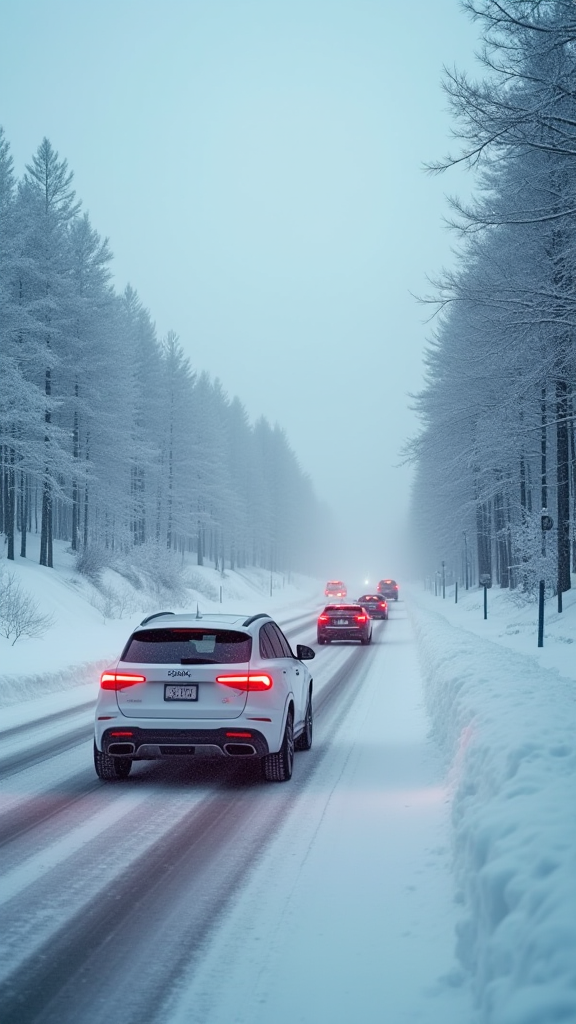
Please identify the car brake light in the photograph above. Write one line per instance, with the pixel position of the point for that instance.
(324, 618)
(118, 680)
(395, 586)
(361, 618)
(249, 681)
(382, 604)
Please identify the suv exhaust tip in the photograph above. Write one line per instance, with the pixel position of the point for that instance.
(120, 749)
(239, 749)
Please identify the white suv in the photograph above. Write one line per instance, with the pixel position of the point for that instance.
(209, 686)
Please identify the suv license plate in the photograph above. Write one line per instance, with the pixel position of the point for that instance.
(341, 622)
(173, 692)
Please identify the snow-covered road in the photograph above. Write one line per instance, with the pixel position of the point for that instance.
(192, 895)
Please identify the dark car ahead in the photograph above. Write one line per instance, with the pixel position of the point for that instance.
(375, 604)
(388, 589)
(344, 622)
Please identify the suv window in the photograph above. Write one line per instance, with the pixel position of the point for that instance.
(284, 645)
(188, 647)
(270, 646)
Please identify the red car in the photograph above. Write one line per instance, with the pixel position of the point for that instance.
(344, 622)
(335, 588)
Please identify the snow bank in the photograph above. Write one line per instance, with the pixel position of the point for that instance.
(17, 688)
(508, 727)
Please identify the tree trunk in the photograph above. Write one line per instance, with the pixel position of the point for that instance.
(24, 499)
(2, 489)
(483, 539)
(11, 503)
(573, 465)
(75, 488)
(501, 545)
(543, 428)
(563, 486)
(46, 520)
(86, 500)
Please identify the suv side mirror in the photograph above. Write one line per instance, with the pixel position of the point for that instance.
(304, 653)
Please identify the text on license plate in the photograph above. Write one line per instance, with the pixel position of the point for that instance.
(341, 622)
(179, 692)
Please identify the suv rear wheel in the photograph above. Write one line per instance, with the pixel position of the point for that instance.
(304, 741)
(278, 767)
(108, 767)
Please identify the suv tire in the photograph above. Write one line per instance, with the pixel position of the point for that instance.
(109, 768)
(278, 767)
(304, 741)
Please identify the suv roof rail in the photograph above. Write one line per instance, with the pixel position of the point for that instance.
(156, 615)
(252, 618)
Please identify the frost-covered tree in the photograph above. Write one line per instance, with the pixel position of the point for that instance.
(109, 440)
(504, 351)
(48, 205)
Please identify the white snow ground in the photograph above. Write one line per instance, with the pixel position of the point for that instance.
(507, 725)
(351, 912)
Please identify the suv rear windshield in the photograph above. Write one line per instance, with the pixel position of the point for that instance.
(188, 647)
(343, 608)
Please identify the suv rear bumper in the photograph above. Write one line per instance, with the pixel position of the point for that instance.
(343, 633)
(150, 744)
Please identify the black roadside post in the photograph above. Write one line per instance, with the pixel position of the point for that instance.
(541, 614)
(443, 578)
(485, 581)
(456, 592)
(546, 523)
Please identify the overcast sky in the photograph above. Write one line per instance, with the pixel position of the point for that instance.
(257, 166)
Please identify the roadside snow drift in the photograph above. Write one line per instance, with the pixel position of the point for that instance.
(508, 727)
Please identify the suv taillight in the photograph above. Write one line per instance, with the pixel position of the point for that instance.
(118, 680)
(323, 618)
(361, 618)
(247, 681)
